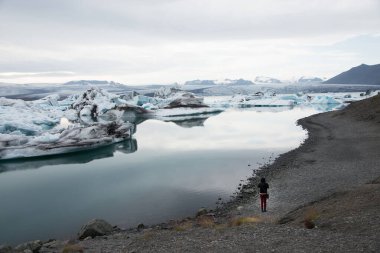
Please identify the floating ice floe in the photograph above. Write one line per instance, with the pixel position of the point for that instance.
(270, 99)
(173, 102)
(259, 99)
(321, 99)
(168, 98)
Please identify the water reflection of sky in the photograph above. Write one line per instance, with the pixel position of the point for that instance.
(247, 129)
(167, 173)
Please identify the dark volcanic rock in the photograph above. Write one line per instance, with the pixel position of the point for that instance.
(201, 212)
(95, 228)
(5, 249)
(33, 246)
(140, 227)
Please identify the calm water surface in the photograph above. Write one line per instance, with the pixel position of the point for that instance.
(167, 171)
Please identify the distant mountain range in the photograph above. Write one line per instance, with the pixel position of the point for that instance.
(200, 82)
(308, 79)
(362, 74)
(223, 82)
(94, 83)
(258, 80)
(265, 79)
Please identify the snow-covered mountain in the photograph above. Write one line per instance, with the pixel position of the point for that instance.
(220, 82)
(200, 82)
(309, 79)
(235, 82)
(265, 79)
(95, 83)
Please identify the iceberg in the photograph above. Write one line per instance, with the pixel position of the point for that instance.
(258, 99)
(96, 102)
(322, 99)
(170, 97)
(26, 117)
(69, 140)
(173, 102)
(51, 126)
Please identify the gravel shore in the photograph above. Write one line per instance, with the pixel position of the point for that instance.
(331, 181)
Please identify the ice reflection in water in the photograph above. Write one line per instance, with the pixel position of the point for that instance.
(126, 147)
(177, 168)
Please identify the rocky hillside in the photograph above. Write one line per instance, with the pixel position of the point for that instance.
(362, 74)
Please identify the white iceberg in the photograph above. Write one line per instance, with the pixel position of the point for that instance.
(258, 99)
(173, 102)
(26, 117)
(49, 126)
(170, 97)
(322, 99)
(167, 98)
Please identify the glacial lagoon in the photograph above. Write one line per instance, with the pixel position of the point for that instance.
(168, 170)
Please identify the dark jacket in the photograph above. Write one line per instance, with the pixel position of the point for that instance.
(263, 187)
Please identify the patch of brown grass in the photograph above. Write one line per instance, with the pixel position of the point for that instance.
(183, 226)
(220, 226)
(148, 234)
(244, 220)
(206, 221)
(309, 218)
(72, 248)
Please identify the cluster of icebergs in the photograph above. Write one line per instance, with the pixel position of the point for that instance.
(319, 101)
(90, 119)
(96, 117)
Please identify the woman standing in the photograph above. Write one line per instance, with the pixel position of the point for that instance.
(263, 194)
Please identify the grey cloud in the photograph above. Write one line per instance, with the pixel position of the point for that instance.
(135, 21)
(153, 36)
(11, 75)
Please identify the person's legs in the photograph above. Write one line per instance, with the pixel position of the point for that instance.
(265, 203)
(262, 202)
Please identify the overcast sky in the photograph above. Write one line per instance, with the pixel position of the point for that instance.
(165, 41)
